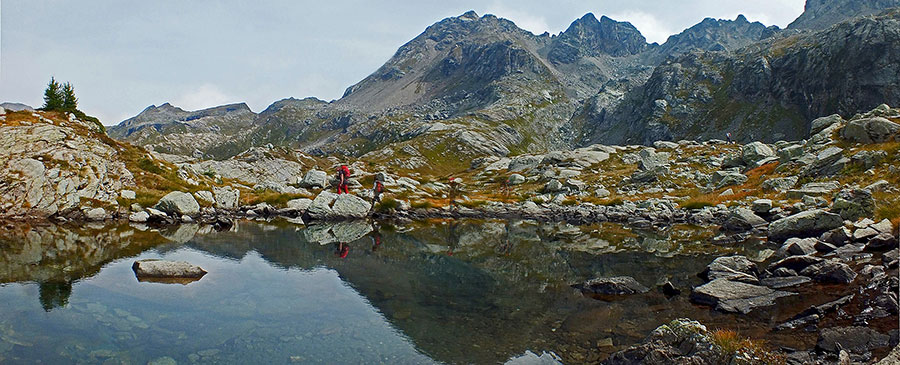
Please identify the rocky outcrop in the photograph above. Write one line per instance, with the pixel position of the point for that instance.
(870, 130)
(331, 206)
(51, 167)
(681, 341)
(820, 14)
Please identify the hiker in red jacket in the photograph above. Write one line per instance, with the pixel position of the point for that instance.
(343, 175)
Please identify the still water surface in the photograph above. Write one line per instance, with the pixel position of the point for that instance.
(427, 292)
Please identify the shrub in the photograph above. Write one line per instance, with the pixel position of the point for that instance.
(696, 204)
(611, 202)
(387, 205)
(147, 165)
(424, 204)
(569, 202)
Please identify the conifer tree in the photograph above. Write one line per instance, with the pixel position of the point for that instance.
(69, 101)
(53, 97)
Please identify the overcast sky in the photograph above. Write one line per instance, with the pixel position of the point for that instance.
(122, 56)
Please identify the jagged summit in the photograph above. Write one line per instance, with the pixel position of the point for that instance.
(716, 35)
(590, 37)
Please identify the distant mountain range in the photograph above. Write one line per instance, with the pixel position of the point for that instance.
(479, 85)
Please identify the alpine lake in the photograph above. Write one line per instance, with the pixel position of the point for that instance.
(438, 291)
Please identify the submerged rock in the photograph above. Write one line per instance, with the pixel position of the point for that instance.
(681, 341)
(613, 285)
(856, 339)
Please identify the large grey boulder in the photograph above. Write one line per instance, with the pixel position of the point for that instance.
(300, 204)
(617, 285)
(320, 208)
(178, 203)
(96, 214)
(314, 179)
(139, 217)
(819, 124)
(734, 296)
(524, 162)
(743, 219)
(227, 198)
(649, 159)
(154, 268)
(350, 206)
(870, 130)
(205, 196)
(725, 178)
(804, 224)
(755, 151)
(853, 204)
(681, 341)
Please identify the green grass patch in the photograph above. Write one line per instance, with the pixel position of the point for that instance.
(423, 204)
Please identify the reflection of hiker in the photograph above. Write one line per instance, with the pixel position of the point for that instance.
(728, 137)
(506, 247)
(376, 236)
(454, 191)
(342, 250)
(452, 238)
(343, 173)
(377, 189)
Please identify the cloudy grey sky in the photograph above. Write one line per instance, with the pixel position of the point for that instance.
(122, 56)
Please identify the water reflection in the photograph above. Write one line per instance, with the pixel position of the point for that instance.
(458, 291)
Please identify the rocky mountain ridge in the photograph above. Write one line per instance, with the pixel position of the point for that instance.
(478, 85)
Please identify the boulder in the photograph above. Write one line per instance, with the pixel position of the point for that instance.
(853, 204)
(155, 268)
(314, 179)
(743, 219)
(722, 179)
(795, 263)
(205, 196)
(139, 217)
(96, 214)
(838, 237)
(856, 339)
(881, 242)
(649, 159)
(804, 224)
(128, 194)
(737, 268)
(553, 186)
(870, 130)
(799, 246)
(350, 206)
(226, 198)
(781, 282)
(178, 203)
(755, 151)
(320, 208)
(650, 175)
(830, 271)
(819, 124)
(790, 153)
(813, 189)
(780, 184)
(612, 286)
(516, 179)
(761, 206)
(300, 204)
(681, 341)
(734, 296)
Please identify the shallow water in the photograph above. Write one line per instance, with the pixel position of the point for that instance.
(447, 292)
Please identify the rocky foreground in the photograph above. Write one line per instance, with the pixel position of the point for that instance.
(827, 205)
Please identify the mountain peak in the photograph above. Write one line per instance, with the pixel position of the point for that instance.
(469, 15)
(588, 36)
(821, 14)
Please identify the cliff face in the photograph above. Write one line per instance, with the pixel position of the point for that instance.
(767, 91)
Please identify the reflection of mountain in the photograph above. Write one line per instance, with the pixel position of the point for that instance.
(503, 291)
